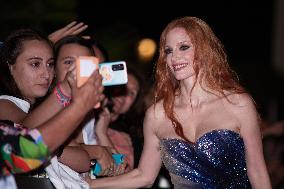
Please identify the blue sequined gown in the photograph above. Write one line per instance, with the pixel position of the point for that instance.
(216, 160)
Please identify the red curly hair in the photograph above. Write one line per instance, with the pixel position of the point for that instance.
(210, 65)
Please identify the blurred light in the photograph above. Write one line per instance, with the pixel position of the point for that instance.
(146, 49)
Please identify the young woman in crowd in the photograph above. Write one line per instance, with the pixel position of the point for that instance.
(119, 125)
(27, 58)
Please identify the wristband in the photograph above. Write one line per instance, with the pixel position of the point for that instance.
(61, 97)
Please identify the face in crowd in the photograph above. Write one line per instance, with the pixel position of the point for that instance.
(125, 97)
(67, 55)
(33, 69)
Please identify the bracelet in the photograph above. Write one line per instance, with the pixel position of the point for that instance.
(61, 97)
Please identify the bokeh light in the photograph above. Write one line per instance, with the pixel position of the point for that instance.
(146, 49)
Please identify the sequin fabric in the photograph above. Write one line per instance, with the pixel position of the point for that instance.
(215, 161)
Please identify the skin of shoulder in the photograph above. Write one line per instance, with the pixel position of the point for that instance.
(155, 114)
(243, 107)
(9, 111)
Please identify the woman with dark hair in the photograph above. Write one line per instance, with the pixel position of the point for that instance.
(82, 144)
(27, 67)
(119, 125)
(27, 70)
(100, 51)
(24, 149)
(203, 126)
(67, 50)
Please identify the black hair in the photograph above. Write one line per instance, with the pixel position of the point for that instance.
(72, 39)
(138, 105)
(101, 48)
(9, 52)
(131, 122)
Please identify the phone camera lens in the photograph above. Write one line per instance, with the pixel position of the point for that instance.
(117, 67)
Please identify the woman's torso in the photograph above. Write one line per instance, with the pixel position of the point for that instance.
(214, 132)
(216, 160)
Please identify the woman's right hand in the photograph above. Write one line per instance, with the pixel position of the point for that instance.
(103, 121)
(105, 159)
(65, 85)
(109, 168)
(90, 93)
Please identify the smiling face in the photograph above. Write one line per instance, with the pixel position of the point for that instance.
(67, 56)
(33, 70)
(179, 53)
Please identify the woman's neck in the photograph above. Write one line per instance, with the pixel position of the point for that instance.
(193, 95)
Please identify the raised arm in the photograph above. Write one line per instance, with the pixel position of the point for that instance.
(72, 28)
(149, 165)
(33, 144)
(48, 108)
(250, 131)
(51, 105)
(57, 129)
(101, 128)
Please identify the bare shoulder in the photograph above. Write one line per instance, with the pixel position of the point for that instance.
(9, 111)
(243, 107)
(156, 111)
(155, 114)
(241, 101)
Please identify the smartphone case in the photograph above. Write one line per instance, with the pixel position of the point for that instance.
(85, 66)
(114, 73)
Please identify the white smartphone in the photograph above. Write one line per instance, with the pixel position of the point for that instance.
(113, 73)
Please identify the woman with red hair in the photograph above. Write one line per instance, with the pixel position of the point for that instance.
(203, 125)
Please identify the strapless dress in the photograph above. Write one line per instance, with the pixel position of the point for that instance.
(215, 161)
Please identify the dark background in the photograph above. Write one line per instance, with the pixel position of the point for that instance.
(245, 27)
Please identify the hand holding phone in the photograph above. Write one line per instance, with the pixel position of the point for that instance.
(96, 168)
(113, 73)
(85, 66)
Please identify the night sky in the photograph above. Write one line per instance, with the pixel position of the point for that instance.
(243, 26)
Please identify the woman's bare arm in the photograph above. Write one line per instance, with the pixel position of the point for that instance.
(57, 129)
(149, 165)
(250, 131)
(76, 158)
(46, 110)
(9, 111)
